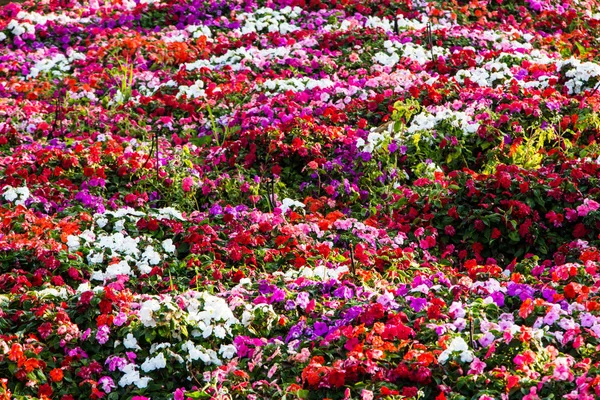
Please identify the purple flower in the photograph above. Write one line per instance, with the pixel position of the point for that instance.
(321, 328)
(103, 334)
(295, 331)
(343, 292)
(416, 303)
(278, 295)
(216, 210)
(115, 363)
(107, 384)
(498, 298)
(303, 299)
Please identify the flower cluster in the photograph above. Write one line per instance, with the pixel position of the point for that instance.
(255, 199)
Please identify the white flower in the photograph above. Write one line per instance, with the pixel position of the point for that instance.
(287, 203)
(133, 377)
(16, 195)
(157, 362)
(130, 342)
(457, 345)
(120, 268)
(151, 256)
(227, 351)
(145, 313)
(10, 194)
(219, 332)
(101, 222)
(168, 246)
(73, 242)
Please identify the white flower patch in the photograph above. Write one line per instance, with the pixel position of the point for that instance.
(18, 195)
(265, 20)
(579, 73)
(192, 92)
(199, 30)
(295, 84)
(394, 50)
(198, 352)
(458, 345)
(227, 351)
(168, 246)
(242, 58)
(130, 342)
(57, 64)
(18, 29)
(132, 377)
(491, 74)
(153, 363)
(426, 121)
(146, 312)
(168, 213)
(288, 203)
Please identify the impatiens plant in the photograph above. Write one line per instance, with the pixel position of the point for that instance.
(253, 199)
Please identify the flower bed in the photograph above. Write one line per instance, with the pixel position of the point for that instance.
(379, 199)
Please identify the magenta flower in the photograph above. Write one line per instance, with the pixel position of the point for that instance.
(187, 183)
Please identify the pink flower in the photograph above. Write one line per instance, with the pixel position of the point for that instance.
(532, 394)
(107, 384)
(366, 395)
(477, 367)
(587, 207)
(179, 394)
(103, 334)
(187, 183)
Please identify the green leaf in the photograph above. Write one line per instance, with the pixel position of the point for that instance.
(514, 236)
(197, 395)
(201, 141)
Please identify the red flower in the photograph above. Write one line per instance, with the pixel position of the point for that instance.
(337, 378)
(579, 231)
(56, 375)
(45, 390)
(496, 233)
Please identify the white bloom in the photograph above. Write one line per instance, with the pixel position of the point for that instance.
(157, 362)
(220, 332)
(10, 194)
(151, 256)
(227, 351)
(145, 313)
(130, 342)
(73, 242)
(287, 203)
(168, 246)
(457, 345)
(133, 377)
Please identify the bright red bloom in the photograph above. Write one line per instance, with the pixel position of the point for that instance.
(56, 375)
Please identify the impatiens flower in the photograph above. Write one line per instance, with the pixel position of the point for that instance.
(156, 362)
(487, 339)
(288, 203)
(107, 384)
(56, 375)
(103, 334)
(187, 183)
(227, 351)
(130, 342)
(587, 207)
(458, 345)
